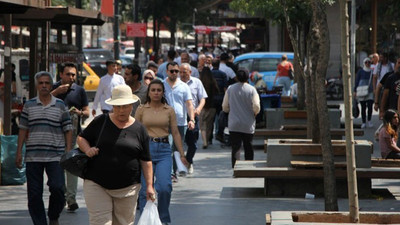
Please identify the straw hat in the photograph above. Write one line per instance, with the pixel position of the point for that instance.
(122, 95)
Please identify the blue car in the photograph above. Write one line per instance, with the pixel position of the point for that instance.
(263, 62)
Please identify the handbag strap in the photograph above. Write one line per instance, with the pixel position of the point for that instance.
(101, 131)
(370, 77)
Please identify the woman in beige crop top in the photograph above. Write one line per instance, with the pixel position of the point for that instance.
(159, 118)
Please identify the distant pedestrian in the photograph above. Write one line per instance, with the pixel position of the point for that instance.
(243, 104)
(45, 128)
(364, 77)
(133, 76)
(106, 85)
(282, 75)
(74, 96)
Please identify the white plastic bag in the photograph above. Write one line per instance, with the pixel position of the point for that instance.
(149, 215)
(181, 167)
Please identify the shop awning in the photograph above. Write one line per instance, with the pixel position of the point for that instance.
(202, 29)
(19, 6)
(62, 16)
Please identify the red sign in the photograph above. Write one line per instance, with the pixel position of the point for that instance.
(107, 7)
(136, 30)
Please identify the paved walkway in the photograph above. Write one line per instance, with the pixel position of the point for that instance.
(211, 196)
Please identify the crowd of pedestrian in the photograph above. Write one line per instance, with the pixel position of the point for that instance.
(137, 144)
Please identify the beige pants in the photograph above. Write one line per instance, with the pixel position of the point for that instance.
(110, 207)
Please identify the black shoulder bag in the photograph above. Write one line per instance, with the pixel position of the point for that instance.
(75, 161)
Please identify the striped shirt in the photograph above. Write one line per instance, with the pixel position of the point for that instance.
(46, 126)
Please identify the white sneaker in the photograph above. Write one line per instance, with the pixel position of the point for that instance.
(363, 126)
(370, 124)
(190, 170)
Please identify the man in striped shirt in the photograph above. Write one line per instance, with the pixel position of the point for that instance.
(45, 128)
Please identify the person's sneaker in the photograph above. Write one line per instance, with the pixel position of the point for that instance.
(190, 170)
(363, 126)
(72, 207)
(174, 178)
(370, 124)
(53, 222)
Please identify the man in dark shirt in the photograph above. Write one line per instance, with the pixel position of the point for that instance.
(391, 91)
(222, 83)
(74, 96)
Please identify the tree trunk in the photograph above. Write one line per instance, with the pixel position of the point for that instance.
(351, 169)
(172, 30)
(320, 39)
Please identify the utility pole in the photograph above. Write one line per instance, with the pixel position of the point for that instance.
(136, 20)
(78, 28)
(116, 30)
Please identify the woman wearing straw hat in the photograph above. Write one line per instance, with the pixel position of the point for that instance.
(112, 179)
(159, 118)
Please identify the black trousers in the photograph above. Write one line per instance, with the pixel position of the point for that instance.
(236, 142)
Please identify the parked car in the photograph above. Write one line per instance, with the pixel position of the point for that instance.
(96, 59)
(126, 60)
(130, 52)
(262, 62)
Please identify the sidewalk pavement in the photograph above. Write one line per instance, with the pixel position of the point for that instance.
(211, 196)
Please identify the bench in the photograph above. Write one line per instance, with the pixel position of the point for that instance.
(379, 162)
(336, 134)
(296, 181)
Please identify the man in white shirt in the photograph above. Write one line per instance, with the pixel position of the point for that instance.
(106, 85)
(383, 67)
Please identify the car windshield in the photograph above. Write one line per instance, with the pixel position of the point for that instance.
(126, 61)
(267, 64)
(98, 55)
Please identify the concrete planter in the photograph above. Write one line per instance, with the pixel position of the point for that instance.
(276, 117)
(321, 218)
(282, 152)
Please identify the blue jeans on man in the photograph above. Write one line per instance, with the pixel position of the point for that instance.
(55, 175)
(182, 131)
(161, 158)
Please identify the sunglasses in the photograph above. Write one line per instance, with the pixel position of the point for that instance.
(174, 71)
(70, 74)
(368, 62)
(148, 78)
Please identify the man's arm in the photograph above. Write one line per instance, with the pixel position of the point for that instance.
(377, 93)
(197, 110)
(96, 100)
(383, 102)
(21, 140)
(148, 177)
(68, 140)
(225, 103)
(256, 103)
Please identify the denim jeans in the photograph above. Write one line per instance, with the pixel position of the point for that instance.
(162, 163)
(55, 175)
(191, 138)
(285, 82)
(182, 132)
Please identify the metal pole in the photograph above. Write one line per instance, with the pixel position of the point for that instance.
(116, 30)
(194, 24)
(136, 20)
(78, 28)
(7, 73)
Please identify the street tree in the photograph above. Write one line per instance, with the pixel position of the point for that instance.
(309, 35)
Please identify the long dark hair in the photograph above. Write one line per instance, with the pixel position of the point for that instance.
(156, 81)
(391, 129)
(208, 80)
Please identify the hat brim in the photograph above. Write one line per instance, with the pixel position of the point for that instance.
(122, 101)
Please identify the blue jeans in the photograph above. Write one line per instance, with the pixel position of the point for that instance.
(162, 163)
(191, 138)
(182, 132)
(285, 82)
(55, 175)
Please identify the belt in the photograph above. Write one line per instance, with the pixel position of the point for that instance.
(159, 139)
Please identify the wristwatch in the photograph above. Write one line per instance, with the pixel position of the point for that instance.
(193, 121)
